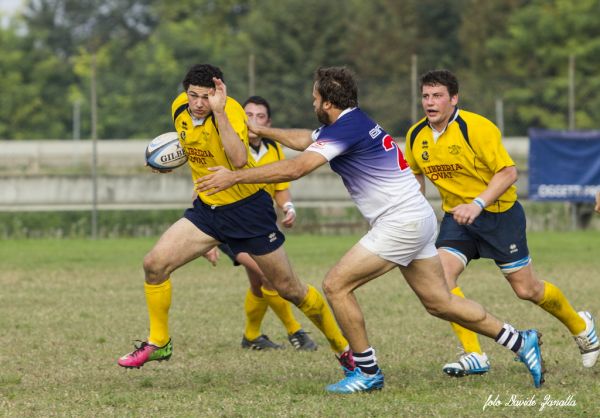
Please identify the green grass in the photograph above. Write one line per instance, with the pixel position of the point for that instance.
(69, 308)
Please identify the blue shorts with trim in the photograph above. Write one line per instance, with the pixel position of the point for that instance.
(248, 225)
(498, 236)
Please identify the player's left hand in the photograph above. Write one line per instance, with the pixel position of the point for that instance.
(212, 255)
(290, 215)
(218, 98)
(466, 213)
(220, 180)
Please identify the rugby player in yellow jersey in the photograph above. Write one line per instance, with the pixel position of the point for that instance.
(463, 156)
(261, 295)
(213, 132)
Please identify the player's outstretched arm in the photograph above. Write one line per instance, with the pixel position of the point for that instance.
(296, 139)
(277, 172)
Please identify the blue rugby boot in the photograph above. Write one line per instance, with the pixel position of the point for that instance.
(357, 381)
(531, 355)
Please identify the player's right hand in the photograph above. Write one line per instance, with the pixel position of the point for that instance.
(466, 213)
(218, 97)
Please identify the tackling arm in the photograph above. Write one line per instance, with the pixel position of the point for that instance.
(277, 172)
(296, 139)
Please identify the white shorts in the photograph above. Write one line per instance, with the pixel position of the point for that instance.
(402, 242)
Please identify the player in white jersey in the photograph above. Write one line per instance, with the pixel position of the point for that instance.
(403, 225)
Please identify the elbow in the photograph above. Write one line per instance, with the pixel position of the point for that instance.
(295, 171)
(240, 162)
(512, 174)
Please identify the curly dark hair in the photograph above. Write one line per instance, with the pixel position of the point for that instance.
(337, 85)
(440, 77)
(261, 101)
(202, 75)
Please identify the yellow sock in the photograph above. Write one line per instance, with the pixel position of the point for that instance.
(283, 310)
(556, 304)
(255, 309)
(158, 300)
(467, 338)
(317, 310)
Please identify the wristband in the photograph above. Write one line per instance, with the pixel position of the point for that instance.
(480, 202)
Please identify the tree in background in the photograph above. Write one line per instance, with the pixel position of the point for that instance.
(534, 53)
(516, 50)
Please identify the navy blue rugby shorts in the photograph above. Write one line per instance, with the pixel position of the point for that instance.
(497, 236)
(227, 251)
(248, 225)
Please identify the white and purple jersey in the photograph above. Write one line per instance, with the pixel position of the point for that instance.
(372, 167)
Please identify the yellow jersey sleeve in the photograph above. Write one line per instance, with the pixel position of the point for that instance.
(487, 143)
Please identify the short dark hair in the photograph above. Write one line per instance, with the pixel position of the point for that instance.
(440, 77)
(337, 85)
(202, 75)
(258, 100)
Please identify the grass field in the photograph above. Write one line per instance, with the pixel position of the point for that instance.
(69, 308)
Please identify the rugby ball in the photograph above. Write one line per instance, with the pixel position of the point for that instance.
(164, 153)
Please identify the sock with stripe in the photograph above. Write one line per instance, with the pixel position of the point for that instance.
(283, 310)
(366, 361)
(555, 303)
(255, 308)
(509, 338)
(158, 301)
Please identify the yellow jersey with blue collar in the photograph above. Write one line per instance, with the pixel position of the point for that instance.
(203, 147)
(463, 159)
(269, 152)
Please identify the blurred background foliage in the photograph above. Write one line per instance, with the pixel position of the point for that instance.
(515, 51)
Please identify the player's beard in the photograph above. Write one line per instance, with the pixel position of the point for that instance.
(322, 116)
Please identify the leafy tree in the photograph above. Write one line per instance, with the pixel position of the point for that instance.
(383, 40)
(290, 39)
(535, 52)
(483, 78)
(57, 31)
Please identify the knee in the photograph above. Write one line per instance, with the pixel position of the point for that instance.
(526, 293)
(438, 308)
(154, 269)
(289, 290)
(331, 287)
(532, 290)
